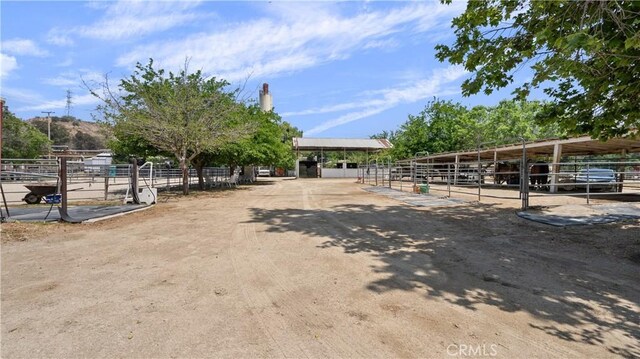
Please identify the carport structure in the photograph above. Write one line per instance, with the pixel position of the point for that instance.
(322, 145)
(552, 148)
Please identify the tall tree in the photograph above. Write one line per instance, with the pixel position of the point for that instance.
(184, 114)
(584, 54)
(20, 139)
(411, 137)
(444, 126)
(270, 145)
(59, 134)
(85, 141)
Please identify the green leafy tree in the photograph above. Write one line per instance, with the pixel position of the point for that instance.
(59, 134)
(124, 143)
(21, 139)
(184, 114)
(449, 126)
(85, 141)
(288, 158)
(270, 145)
(444, 126)
(411, 137)
(511, 121)
(584, 54)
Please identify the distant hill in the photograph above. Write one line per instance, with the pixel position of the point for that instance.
(73, 132)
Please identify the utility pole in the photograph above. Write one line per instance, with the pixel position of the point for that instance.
(48, 123)
(4, 200)
(49, 128)
(1, 114)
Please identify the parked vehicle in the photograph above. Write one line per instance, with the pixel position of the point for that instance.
(262, 171)
(566, 181)
(470, 175)
(598, 179)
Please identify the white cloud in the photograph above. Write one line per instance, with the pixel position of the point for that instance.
(304, 36)
(82, 100)
(436, 85)
(7, 64)
(59, 37)
(74, 78)
(126, 19)
(23, 47)
(21, 95)
(66, 62)
(385, 44)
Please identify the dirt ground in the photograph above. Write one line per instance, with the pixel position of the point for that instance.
(319, 268)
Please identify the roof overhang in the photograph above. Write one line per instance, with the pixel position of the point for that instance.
(578, 146)
(340, 144)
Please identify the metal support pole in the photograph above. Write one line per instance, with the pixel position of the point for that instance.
(415, 182)
(414, 173)
(449, 179)
(344, 165)
(524, 178)
(479, 174)
(134, 180)
(389, 172)
(495, 166)
(376, 172)
(63, 184)
(588, 183)
(106, 187)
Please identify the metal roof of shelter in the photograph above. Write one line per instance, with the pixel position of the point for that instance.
(578, 146)
(340, 144)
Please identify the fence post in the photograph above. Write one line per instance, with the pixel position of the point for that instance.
(106, 187)
(134, 180)
(449, 179)
(389, 172)
(479, 174)
(376, 173)
(524, 178)
(587, 182)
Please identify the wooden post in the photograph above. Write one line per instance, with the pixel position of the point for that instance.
(495, 166)
(344, 164)
(555, 168)
(622, 169)
(321, 161)
(455, 170)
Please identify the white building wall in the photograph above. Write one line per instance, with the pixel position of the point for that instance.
(339, 173)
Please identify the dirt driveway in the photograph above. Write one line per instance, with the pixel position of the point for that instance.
(319, 268)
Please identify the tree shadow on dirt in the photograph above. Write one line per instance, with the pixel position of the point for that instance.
(579, 294)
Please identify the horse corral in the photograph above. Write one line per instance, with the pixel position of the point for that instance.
(551, 168)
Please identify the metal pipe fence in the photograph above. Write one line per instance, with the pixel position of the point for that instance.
(97, 182)
(509, 179)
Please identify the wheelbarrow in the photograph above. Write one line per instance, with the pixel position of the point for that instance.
(38, 191)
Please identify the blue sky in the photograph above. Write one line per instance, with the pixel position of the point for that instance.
(346, 69)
